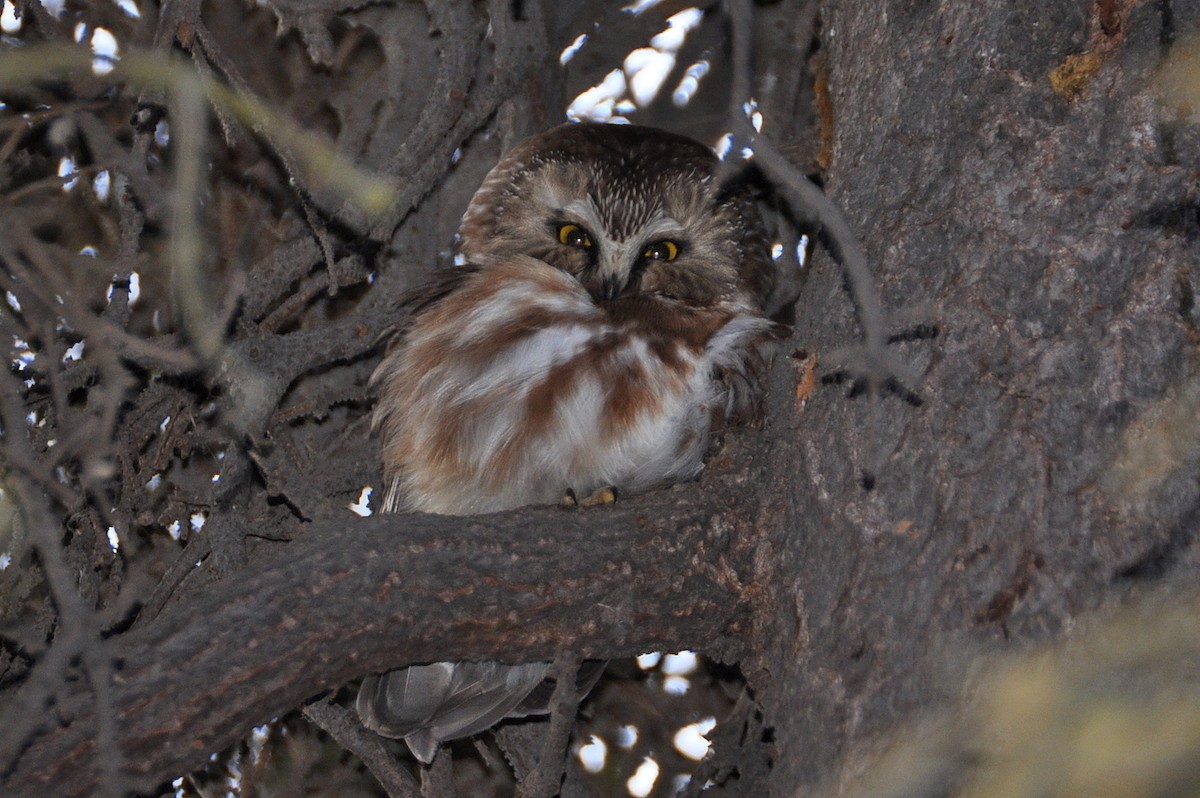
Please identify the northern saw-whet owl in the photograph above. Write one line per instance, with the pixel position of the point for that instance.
(606, 311)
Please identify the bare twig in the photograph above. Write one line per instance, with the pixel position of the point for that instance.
(275, 275)
(189, 283)
(79, 634)
(139, 350)
(185, 563)
(728, 741)
(348, 270)
(437, 780)
(345, 727)
(213, 52)
(871, 362)
(444, 126)
(544, 780)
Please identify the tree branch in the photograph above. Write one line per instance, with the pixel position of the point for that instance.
(344, 726)
(391, 590)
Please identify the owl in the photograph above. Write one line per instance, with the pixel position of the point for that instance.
(605, 313)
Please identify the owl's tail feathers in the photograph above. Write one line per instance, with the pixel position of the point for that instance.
(425, 705)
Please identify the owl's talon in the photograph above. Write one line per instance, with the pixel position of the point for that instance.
(597, 498)
(605, 495)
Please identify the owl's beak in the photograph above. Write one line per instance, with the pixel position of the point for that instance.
(610, 276)
(609, 288)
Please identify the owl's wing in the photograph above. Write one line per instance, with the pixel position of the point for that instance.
(440, 282)
(429, 704)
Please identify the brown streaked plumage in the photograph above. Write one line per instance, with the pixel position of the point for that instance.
(611, 294)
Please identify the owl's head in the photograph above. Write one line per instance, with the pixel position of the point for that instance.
(627, 210)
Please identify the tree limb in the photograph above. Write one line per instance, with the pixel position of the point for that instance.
(392, 590)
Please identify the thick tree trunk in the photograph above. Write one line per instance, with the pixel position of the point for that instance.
(1017, 182)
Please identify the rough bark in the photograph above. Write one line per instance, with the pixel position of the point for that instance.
(1047, 226)
(355, 598)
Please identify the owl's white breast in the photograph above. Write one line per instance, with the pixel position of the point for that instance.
(517, 387)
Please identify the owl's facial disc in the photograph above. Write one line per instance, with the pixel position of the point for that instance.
(614, 264)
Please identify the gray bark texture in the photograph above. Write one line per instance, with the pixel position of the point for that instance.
(1018, 181)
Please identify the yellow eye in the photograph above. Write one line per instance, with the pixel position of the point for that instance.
(574, 236)
(663, 250)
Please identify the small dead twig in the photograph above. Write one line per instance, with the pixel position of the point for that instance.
(546, 777)
(78, 635)
(437, 780)
(725, 752)
(344, 727)
(869, 363)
